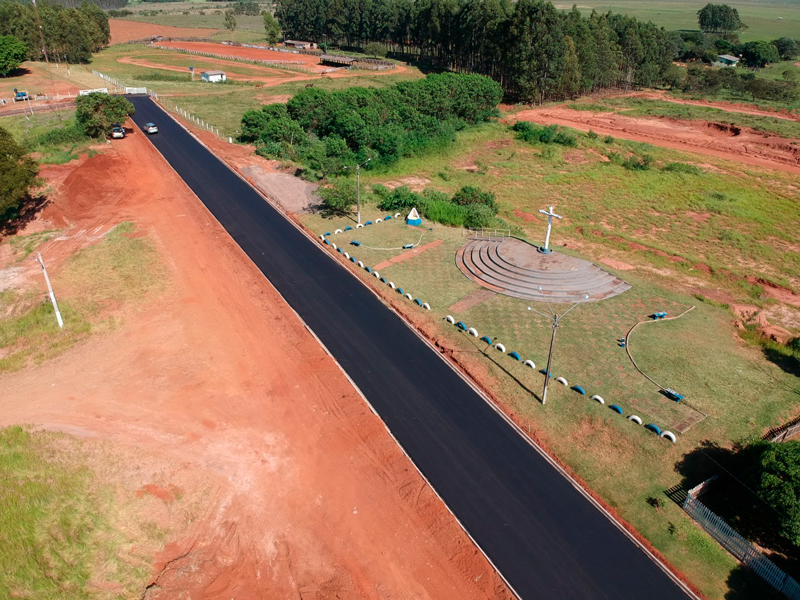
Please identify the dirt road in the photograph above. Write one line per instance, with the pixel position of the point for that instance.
(302, 491)
(733, 107)
(739, 144)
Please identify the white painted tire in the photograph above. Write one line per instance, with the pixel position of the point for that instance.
(377, 275)
(360, 264)
(472, 331)
(334, 246)
(530, 363)
(379, 220)
(562, 381)
(599, 399)
(450, 320)
(337, 232)
(322, 237)
(409, 296)
(669, 436)
(347, 256)
(500, 348)
(359, 226)
(397, 215)
(392, 285)
(426, 306)
(635, 419)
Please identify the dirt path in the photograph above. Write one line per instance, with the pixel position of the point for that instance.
(742, 145)
(268, 75)
(302, 492)
(124, 31)
(726, 106)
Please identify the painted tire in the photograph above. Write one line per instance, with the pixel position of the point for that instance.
(530, 363)
(337, 232)
(346, 255)
(669, 436)
(654, 428)
(379, 220)
(472, 331)
(450, 320)
(598, 399)
(360, 264)
(334, 246)
(391, 285)
(486, 340)
(562, 381)
(368, 269)
(348, 228)
(401, 291)
(616, 408)
(579, 389)
(359, 226)
(515, 356)
(417, 301)
(426, 306)
(461, 325)
(409, 296)
(397, 215)
(500, 348)
(377, 275)
(635, 419)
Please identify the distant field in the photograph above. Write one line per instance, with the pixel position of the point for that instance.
(766, 20)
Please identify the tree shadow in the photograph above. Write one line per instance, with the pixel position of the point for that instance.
(788, 363)
(743, 584)
(16, 219)
(18, 72)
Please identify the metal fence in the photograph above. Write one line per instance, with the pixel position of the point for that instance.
(784, 432)
(485, 233)
(737, 545)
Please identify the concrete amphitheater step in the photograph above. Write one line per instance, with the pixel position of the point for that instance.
(514, 268)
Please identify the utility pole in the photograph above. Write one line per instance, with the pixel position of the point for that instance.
(41, 32)
(556, 321)
(50, 290)
(358, 186)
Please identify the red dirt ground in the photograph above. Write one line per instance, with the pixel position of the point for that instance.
(302, 492)
(35, 78)
(734, 107)
(124, 31)
(742, 145)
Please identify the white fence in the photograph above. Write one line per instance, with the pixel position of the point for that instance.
(484, 233)
(290, 65)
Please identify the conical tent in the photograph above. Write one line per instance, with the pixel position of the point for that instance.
(413, 218)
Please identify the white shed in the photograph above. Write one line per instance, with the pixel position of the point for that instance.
(213, 76)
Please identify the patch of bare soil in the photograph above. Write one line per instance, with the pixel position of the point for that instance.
(526, 216)
(292, 193)
(616, 264)
(734, 107)
(477, 297)
(415, 184)
(35, 79)
(721, 140)
(124, 31)
(298, 489)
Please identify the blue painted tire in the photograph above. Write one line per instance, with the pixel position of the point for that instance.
(355, 243)
(339, 250)
(400, 291)
(515, 356)
(327, 233)
(348, 228)
(617, 409)
(368, 269)
(387, 218)
(352, 259)
(486, 340)
(383, 279)
(544, 372)
(417, 301)
(579, 389)
(461, 325)
(654, 428)
(326, 242)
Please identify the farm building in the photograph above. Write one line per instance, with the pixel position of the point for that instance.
(350, 62)
(299, 45)
(334, 60)
(726, 60)
(213, 76)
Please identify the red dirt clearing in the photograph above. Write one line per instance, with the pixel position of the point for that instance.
(300, 489)
(742, 145)
(124, 31)
(259, 73)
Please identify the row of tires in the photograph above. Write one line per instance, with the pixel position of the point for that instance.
(652, 427)
(375, 274)
(360, 225)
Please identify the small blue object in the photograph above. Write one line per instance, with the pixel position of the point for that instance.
(383, 279)
(400, 291)
(486, 339)
(515, 356)
(339, 250)
(355, 243)
(579, 389)
(387, 217)
(654, 428)
(369, 269)
(616, 408)
(672, 394)
(461, 325)
(544, 372)
(417, 301)
(327, 233)
(327, 242)
(352, 259)
(348, 228)
(367, 223)
(408, 246)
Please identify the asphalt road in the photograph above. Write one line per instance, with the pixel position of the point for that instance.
(544, 536)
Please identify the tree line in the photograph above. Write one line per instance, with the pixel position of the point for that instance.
(533, 50)
(70, 34)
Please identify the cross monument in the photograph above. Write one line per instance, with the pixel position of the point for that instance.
(550, 214)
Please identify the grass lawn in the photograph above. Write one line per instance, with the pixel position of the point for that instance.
(36, 133)
(700, 355)
(60, 527)
(118, 270)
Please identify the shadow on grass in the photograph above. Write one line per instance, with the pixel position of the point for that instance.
(787, 362)
(743, 584)
(16, 219)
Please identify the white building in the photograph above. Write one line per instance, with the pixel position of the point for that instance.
(214, 76)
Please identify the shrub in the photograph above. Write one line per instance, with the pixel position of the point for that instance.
(444, 212)
(479, 215)
(679, 167)
(71, 134)
(399, 198)
(474, 195)
(636, 163)
(339, 198)
(608, 139)
(592, 135)
(549, 134)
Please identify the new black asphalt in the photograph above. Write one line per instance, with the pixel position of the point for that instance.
(543, 535)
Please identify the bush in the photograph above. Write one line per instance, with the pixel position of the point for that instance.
(479, 215)
(636, 163)
(550, 134)
(375, 49)
(398, 199)
(71, 134)
(474, 195)
(95, 113)
(592, 135)
(339, 198)
(679, 167)
(608, 139)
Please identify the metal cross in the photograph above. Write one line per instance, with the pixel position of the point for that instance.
(550, 214)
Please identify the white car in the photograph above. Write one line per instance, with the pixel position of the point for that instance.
(117, 133)
(150, 128)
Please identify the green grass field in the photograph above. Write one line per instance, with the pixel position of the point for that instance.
(766, 20)
(63, 534)
(606, 208)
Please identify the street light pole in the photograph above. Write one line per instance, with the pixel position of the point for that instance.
(358, 186)
(51, 293)
(556, 319)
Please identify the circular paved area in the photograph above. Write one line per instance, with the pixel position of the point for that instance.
(514, 268)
